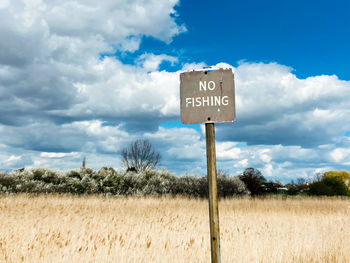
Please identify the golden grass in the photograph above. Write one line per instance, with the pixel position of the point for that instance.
(97, 229)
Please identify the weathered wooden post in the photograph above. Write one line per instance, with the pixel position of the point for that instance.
(213, 193)
(208, 96)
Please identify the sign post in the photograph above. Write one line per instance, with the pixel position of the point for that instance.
(213, 194)
(208, 97)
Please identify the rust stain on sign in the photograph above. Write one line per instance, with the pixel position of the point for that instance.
(207, 96)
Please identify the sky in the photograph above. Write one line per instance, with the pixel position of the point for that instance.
(84, 79)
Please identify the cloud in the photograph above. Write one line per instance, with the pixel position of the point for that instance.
(242, 164)
(181, 144)
(114, 20)
(341, 155)
(273, 107)
(52, 50)
(57, 155)
(183, 150)
(227, 150)
(80, 136)
(123, 92)
(152, 62)
(11, 158)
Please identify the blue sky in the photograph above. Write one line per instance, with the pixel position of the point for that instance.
(312, 37)
(80, 79)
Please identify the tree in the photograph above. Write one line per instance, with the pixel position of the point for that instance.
(331, 183)
(329, 186)
(254, 181)
(140, 156)
(343, 176)
(301, 181)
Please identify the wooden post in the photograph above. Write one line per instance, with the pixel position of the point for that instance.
(213, 194)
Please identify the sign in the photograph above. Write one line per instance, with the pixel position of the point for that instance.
(207, 96)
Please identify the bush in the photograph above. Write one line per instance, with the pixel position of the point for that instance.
(190, 185)
(108, 181)
(329, 186)
(292, 191)
(230, 186)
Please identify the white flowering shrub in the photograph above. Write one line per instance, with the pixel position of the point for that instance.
(109, 182)
(230, 186)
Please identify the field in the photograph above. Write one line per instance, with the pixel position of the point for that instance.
(98, 229)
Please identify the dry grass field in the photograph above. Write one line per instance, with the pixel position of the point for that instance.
(98, 229)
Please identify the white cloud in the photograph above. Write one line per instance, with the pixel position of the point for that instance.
(113, 20)
(57, 155)
(52, 49)
(227, 150)
(264, 155)
(152, 62)
(179, 143)
(268, 170)
(122, 91)
(340, 155)
(275, 107)
(242, 164)
(83, 136)
(193, 66)
(12, 159)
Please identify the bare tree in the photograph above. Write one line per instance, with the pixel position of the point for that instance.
(139, 156)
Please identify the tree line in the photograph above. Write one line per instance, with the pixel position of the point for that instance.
(140, 178)
(108, 181)
(331, 183)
